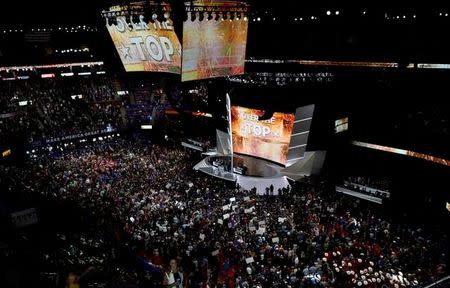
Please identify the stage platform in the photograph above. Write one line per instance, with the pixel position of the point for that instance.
(256, 173)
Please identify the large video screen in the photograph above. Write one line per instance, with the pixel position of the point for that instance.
(213, 48)
(146, 46)
(267, 139)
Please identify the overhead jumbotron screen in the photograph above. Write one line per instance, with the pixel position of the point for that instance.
(214, 47)
(267, 139)
(146, 46)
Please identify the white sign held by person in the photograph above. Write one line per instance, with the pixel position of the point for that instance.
(281, 219)
(260, 231)
(249, 260)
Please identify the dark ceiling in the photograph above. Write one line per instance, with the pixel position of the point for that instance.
(87, 11)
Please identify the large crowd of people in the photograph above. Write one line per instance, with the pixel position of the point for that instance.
(377, 187)
(47, 108)
(379, 183)
(191, 230)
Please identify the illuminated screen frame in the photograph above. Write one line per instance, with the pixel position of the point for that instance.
(409, 153)
(214, 47)
(266, 139)
(146, 46)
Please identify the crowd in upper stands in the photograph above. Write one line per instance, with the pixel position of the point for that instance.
(219, 235)
(54, 109)
(380, 183)
(373, 186)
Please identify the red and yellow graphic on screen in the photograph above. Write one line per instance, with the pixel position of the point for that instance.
(214, 48)
(267, 139)
(146, 46)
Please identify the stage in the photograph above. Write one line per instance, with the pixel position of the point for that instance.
(249, 172)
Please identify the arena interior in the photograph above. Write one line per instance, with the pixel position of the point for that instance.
(224, 143)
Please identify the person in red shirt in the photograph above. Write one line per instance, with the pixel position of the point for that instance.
(156, 259)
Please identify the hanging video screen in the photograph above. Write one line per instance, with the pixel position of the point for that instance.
(214, 47)
(146, 45)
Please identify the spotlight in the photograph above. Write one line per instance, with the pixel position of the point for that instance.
(337, 12)
(328, 12)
